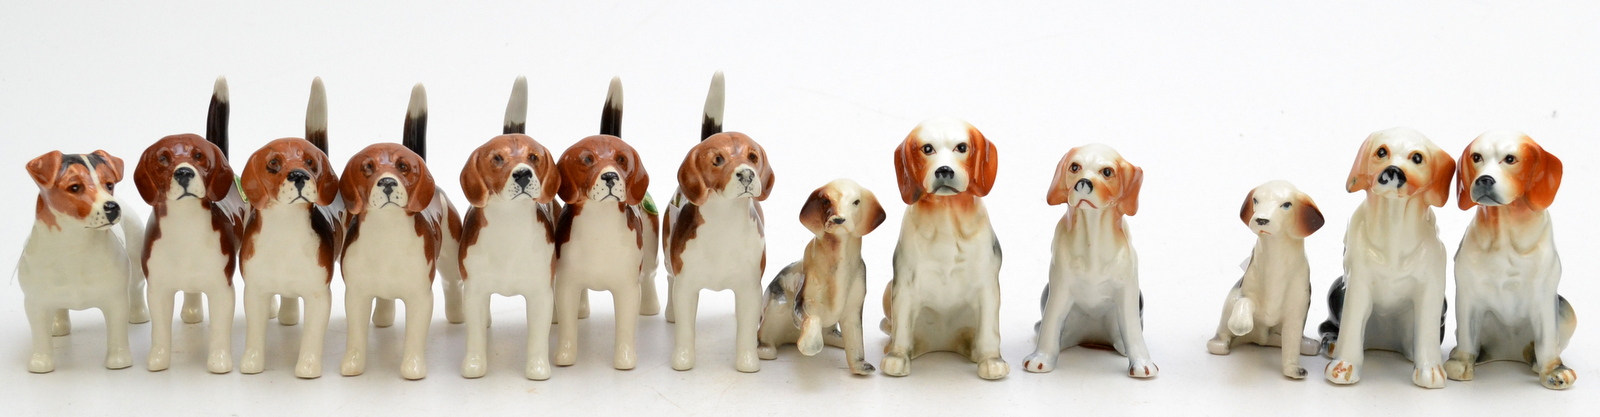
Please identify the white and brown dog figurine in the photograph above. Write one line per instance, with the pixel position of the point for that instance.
(191, 242)
(1093, 297)
(945, 295)
(1392, 294)
(818, 299)
(402, 225)
(1268, 305)
(1506, 268)
(292, 240)
(75, 259)
(606, 236)
(714, 238)
(508, 237)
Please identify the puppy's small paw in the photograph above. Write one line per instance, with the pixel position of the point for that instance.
(1217, 347)
(60, 327)
(810, 343)
(1341, 372)
(993, 368)
(1459, 369)
(41, 363)
(624, 358)
(1142, 369)
(1039, 362)
(1560, 378)
(191, 314)
(1431, 377)
(1309, 346)
(566, 353)
(896, 365)
(863, 368)
(251, 362)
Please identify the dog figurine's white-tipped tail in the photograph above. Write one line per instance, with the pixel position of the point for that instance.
(611, 116)
(716, 98)
(517, 108)
(217, 116)
(416, 130)
(317, 116)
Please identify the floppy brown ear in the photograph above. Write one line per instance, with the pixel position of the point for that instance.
(45, 168)
(569, 187)
(1466, 173)
(1359, 178)
(1437, 192)
(637, 179)
(814, 215)
(1543, 179)
(1249, 208)
(327, 180)
(422, 191)
(472, 186)
(146, 178)
(690, 182)
(114, 162)
(1131, 180)
(874, 214)
(767, 177)
(908, 172)
(254, 181)
(549, 176)
(1308, 219)
(219, 176)
(1059, 189)
(985, 161)
(351, 186)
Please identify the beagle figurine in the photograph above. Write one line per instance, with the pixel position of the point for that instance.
(1393, 260)
(1093, 297)
(1507, 270)
(1268, 305)
(402, 224)
(945, 295)
(508, 236)
(292, 239)
(818, 299)
(714, 237)
(606, 235)
(75, 257)
(191, 242)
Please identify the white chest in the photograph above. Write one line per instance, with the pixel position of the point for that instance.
(727, 246)
(601, 245)
(512, 246)
(286, 248)
(189, 247)
(387, 248)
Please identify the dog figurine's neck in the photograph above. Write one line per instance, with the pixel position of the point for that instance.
(964, 211)
(1389, 218)
(1274, 248)
(1517, 224)
(1097, 225)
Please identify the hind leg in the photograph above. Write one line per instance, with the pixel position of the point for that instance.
(40, 322)
(1552, 326)
(192, 312)
(61, 323)
(383, 312)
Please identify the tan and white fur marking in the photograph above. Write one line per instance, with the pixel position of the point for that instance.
(1268, 305)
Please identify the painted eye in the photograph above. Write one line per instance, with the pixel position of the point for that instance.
(1074, 167)
(1254, 201)
(111, 187)
(163, 160)
(1477, 158)
(533, 158)
(856, 203)
(402, 166)
(498, 160)
(588, 160)
(1106, 172)
(717, 162)
(1383, 152)
(75, 188)
(274, 165)
(927, 149)
(622, 160)
(312, 166)
(200, 157)
(367, 169)
(1511, 159)
(1286, 206)
(1416, 158)
(961, 147)
(754, 158)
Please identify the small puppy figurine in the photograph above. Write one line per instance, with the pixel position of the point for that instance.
(945, 295)
(1506, 268)
(1093, 297)
(402, 225)
(606, 236)
(818, 299)
(75, 259)
(293, 238)
(1278, 278)
(508, 237)
(1393, 259)
(192, 240)
(713, 236)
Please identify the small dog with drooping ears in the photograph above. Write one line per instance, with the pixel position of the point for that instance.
(1268, 305)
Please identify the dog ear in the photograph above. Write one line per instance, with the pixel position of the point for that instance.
(1466, 173)
(353, 185)
(148, 178)
(472, 186)
(1360, 178)
(1060, 190)
(908, 171)
(327, 180)
(691, 183)
(1130, 180)
(422, 190)
(767, 177)
(572, 171)
(984, 162)
(115, 164)
(814, 215)
(1437, 192)
(1542, 179)
(45, 168)
(1308, 219)
(219, 176)
(549, 176)
(637, 179)
(873, 214)
(1249, 208)
(254, 180)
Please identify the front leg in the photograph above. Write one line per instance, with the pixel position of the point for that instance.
(161, 300)
(1427, 372)
(1128, 311)
(256, 304)
(318, 306)
(419, 316)
(476, 306)
(118, 355)
(220, 360)
(986, 343)
(1293, 330)
(40, 322)
(1464, 357)
(358, 312)
(1547, 341)
(897, 358)
(684, 302)
(567, 295)
(624, 356)
(540, 305)
(1222, 343)
(1350, 350)
(850, 324)
(1057, 304)
(747, 316)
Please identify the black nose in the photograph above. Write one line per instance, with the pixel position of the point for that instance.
(745, 176)
(183, 175)
(1262, 222)
(1084, 186)
(522, 177)
(1392, 174)
(1484, 181)
(299, 177)
(944, 173)
(388, 185)
(838, 220)
(112, 211)
(610, 178)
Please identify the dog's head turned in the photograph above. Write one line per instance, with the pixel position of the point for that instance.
(1277, 208)
(78, 187)
(1094, 177)
(510, 168)
(1401, 163)
(842, 206)
(944, 157)
(1502, 167)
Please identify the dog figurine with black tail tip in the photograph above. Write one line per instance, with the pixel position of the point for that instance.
(945, 295)
(713, 237)
(81, 254)
(292, 240)
(817, 301)
(1268, 305)
(402, 226)
(1507, 270)
(1392, 294)
(191, 242)
(1093, 297)
(508, 237)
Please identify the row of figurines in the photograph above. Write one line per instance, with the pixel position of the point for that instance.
(390, 229)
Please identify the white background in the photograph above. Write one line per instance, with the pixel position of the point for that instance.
(1211, 100)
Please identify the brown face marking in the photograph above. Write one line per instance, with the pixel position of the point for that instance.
(910, 167)
(1308, 219)
(1429, 179)
(67, 186)
(710, 165)
(153, 175)
(491, 165)
(366, 167)
(583, 162)
(269, 167)
(1120, 188)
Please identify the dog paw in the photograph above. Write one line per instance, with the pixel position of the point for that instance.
(1458, 369)
(1309, 346)
(1039, 362)
(863, 368)
(414, 367)
(1142, 369)
(119, 358)
(60, 327)
(308, 367)
(1217, 347)
(138, 316)
(191, 314)
(251, 362)
(1341, 372)
(810, 343)
(1431, 377)
(220, 362)
(41, 363)
(896, 365)
(355, 363)
(682, 358)
(993, 368)
(1560, 378)
(767, 351)
(624, 358)
(159, 359)
(537, 369)
(474, 366)
(1294, 371)
(747, 362)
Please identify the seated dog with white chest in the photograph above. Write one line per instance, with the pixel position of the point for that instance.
(1268, 305)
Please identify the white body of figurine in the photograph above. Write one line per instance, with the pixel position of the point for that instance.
(1268, 305)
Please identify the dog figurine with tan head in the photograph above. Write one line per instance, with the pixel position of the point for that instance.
(1268, 305)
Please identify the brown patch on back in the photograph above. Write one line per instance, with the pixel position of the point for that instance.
(564, 225)
(247, 241)
(683, 230)
(229, 231)
(330, 234)
(428, 230)
(474, 224)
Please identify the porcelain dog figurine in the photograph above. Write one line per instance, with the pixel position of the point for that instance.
(402, 225)
(1506, 268)
(1093, 297)
(191, 243)
(292, 240)
(1392, 294)
(945, 295)
(818, 300)
(74, 258)
(606, 236)
(508, 236)
(1268, 305)
(713, 236)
